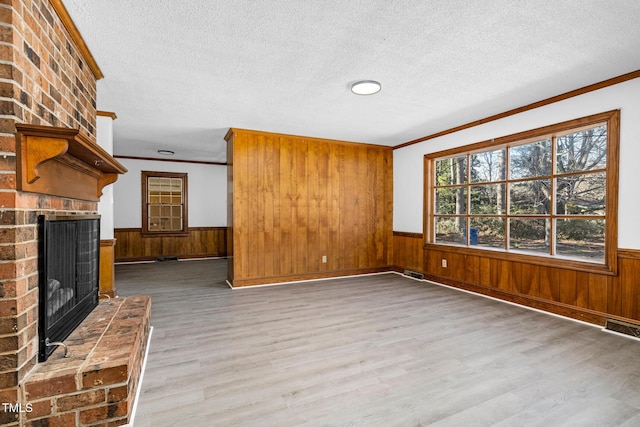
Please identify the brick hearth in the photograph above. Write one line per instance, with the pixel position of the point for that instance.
(96, 383)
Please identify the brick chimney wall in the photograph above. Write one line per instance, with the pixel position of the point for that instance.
(43, 81)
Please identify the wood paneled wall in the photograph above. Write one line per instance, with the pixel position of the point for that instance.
(200, 242)
(296, 199)
(582, 295)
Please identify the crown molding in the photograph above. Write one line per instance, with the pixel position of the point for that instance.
(581, 91)
(201, 162)
(109, 114)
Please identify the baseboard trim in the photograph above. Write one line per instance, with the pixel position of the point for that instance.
(180, 257)
(283, 280)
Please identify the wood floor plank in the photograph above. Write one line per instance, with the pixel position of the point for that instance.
(378, 350)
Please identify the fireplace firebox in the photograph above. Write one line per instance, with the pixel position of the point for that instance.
(68, 269)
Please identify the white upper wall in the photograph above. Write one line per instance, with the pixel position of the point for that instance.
(207, 192)
(408, 162)
(104, 138)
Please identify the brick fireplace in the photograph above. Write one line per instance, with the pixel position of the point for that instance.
(48, 129)
(68, 276)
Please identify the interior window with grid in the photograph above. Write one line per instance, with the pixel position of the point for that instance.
(544, 195)
(164, 208)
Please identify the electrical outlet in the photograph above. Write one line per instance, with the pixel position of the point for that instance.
(324, 259)
(444, 263)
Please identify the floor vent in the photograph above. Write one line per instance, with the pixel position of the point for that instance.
(414, 274)
(167, 258)
(623, 327)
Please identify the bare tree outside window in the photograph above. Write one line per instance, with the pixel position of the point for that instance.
(544, 195)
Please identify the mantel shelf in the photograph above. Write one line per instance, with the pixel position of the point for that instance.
(63, 162)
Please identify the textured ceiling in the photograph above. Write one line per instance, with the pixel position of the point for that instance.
(178, 74)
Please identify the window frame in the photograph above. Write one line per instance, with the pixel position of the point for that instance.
(609, 266)
(145, 175)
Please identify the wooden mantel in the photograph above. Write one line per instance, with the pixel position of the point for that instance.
(62, 162)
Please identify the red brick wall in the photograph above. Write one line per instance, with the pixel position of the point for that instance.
(43, 80)
(51, 84)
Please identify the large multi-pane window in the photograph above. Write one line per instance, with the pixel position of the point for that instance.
(549, 192)
(164, 205)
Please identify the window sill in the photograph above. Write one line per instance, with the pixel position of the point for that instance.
(547, 261)
(165, 234)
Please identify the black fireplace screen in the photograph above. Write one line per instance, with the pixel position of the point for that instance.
(68, 268)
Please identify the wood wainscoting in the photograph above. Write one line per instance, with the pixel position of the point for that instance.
(407, 251)
(587, 296)
(200, 242)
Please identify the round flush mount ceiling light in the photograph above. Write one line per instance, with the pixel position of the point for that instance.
(366, 87)
(166, 152)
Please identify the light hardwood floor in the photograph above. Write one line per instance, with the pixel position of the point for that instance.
(380, 350)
